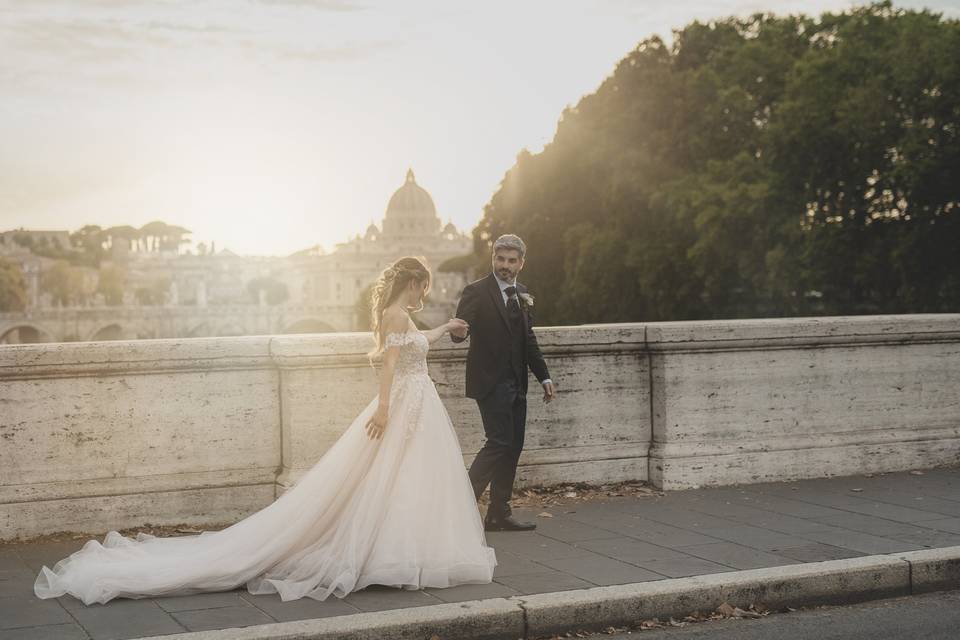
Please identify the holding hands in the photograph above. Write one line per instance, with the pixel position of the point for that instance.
(458, 327)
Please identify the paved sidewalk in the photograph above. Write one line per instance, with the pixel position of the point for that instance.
(604, 542)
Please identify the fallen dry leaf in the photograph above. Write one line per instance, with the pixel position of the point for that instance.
(556, 495)
(916, 473)
(544, 515)
(725, 610)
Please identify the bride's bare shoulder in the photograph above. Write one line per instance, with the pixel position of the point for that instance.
(395, 319)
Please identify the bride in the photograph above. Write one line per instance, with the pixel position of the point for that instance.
(389, 503)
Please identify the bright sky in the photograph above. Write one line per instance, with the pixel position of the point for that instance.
(272, 125)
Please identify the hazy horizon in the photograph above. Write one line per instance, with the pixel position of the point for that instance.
(268, 126)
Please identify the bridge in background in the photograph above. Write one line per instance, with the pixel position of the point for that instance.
(73, 324)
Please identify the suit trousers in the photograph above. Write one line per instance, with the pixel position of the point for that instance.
(504, 415)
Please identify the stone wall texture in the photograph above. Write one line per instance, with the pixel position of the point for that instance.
(105, 435)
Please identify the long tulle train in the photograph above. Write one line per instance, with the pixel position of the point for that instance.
(396, 511)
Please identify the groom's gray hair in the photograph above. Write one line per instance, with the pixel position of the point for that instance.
(510, 241)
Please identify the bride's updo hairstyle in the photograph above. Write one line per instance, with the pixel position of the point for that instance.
(391, 283)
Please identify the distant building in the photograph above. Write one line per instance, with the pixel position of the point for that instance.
(409, 227)
(166, 295)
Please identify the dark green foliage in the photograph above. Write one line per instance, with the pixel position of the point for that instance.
(770, 166)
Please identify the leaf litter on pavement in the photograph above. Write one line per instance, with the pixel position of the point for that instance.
(724, 611)
(531, 497)
(575, 493)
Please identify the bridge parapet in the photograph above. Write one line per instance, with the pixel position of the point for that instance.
(204, 430)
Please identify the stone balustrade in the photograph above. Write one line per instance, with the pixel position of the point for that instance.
(103, 435)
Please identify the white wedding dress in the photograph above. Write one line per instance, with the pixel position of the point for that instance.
(395, 511)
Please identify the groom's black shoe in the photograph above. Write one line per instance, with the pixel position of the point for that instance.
(507, 523)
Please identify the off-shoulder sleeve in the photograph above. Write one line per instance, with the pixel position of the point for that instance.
(398, 339)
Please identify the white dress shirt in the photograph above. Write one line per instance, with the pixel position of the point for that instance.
(503, 291)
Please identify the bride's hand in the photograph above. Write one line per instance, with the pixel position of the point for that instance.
(377, 424)
(458, 327)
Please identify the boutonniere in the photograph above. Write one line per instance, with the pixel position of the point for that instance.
(526, 299)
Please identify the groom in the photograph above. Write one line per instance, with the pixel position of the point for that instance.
(502, 345)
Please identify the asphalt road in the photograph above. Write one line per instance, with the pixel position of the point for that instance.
(934, 616)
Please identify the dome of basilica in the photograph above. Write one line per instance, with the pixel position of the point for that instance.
(411, 201)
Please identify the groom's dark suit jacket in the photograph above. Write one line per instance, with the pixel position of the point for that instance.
(481, 305)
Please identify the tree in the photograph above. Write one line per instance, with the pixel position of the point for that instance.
(469, 265)
(160, 236)
(175, 238)
(154, 292)
(764, 166)
(153, 233)
(122, 233)
(89, 241)
(13, 289)
(112, 284)
(65, 283)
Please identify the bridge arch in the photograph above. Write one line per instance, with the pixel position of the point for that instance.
(112, 331)
(230, 329)
(199, 330)
(309, 325)
(25, 333)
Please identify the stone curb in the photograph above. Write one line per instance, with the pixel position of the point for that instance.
(828, 582)
(933, 569)
(489, 619)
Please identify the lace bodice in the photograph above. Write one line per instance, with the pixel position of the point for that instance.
(410, 376)
(413, 352)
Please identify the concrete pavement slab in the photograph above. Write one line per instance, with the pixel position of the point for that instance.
(219, 618)
(818, 552)
(379, 598)
(685, 566)
(545, 581)
(70, 631)
(737, 556)
(602, 542)
(301, 609)
(600, 570)
(859, 541)
(19, 612)
(126, 619)
(201, 601)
